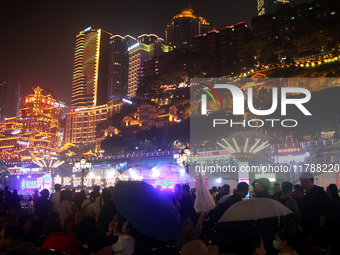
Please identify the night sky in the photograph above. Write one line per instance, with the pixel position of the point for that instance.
(38, 37)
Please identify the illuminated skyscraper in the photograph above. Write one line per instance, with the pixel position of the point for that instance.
(148, 46)
(119, 66)
(183, 27)
(91, 65)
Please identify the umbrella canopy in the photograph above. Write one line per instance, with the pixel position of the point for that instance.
(149, 210)
(180, 177)
(254, 209)
(204, 201)
(165, 169)
(140, 173)
(103, 171)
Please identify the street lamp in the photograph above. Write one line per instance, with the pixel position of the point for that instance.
(83, 165)
(184, 157)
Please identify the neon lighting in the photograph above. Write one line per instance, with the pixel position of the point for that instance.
(288, 150)
(133, 46)
(166, 184)
(28, 184)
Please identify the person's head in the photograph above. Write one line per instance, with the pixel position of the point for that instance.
(107, 195)
(6, 188)
(57, 187)
(128, 229)
(262, 184)
(8, 235)
(15, 192)
(187, 224)
(96, 189)
(307, 181)
(254, 244)
(177, 188)
(226, 188)
(44, 193)
(185, 189)
(214, 189)
(242, 189)
(283, 240)
(65, 195)
(197, 247)
(276, 187)
(287, 188)
(332, 191)
(298, 191)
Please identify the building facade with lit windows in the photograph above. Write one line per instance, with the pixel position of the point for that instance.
(119, 66)
(35, 133)
(225, 47)
(151, 115)
(183, 27)
(81, 122)
(269, 6)
(147, 47)
(10, 101)
(91, 66)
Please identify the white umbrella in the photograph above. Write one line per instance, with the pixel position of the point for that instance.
(180, 178)
(204, 201)
(254, 209)
(165, 169)
(103, 172)
(140, 173)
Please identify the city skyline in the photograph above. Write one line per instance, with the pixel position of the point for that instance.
(38, 39)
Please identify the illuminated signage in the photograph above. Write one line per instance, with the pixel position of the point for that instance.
(127, 101)
(166, 184)
(289, 150)
(133, 46)
(31, 184)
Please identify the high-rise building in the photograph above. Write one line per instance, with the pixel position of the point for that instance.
(91, 66)
(10, 98)
(183, 27)
(269, 6)
(148, 46)
(119, 65)
(81, 122)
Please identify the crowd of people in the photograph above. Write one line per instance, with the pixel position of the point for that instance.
(72, 222)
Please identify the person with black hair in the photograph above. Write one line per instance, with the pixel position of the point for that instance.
(224, 195)
(315, 209)
(89, 208)
(241, 192)
(187, 203)
(297, 192)
(55, 197)
(285, 243)
(108, 211)
(253, 245)
(277, 192)
(11, 243)
(287, 200)
(43, 207)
